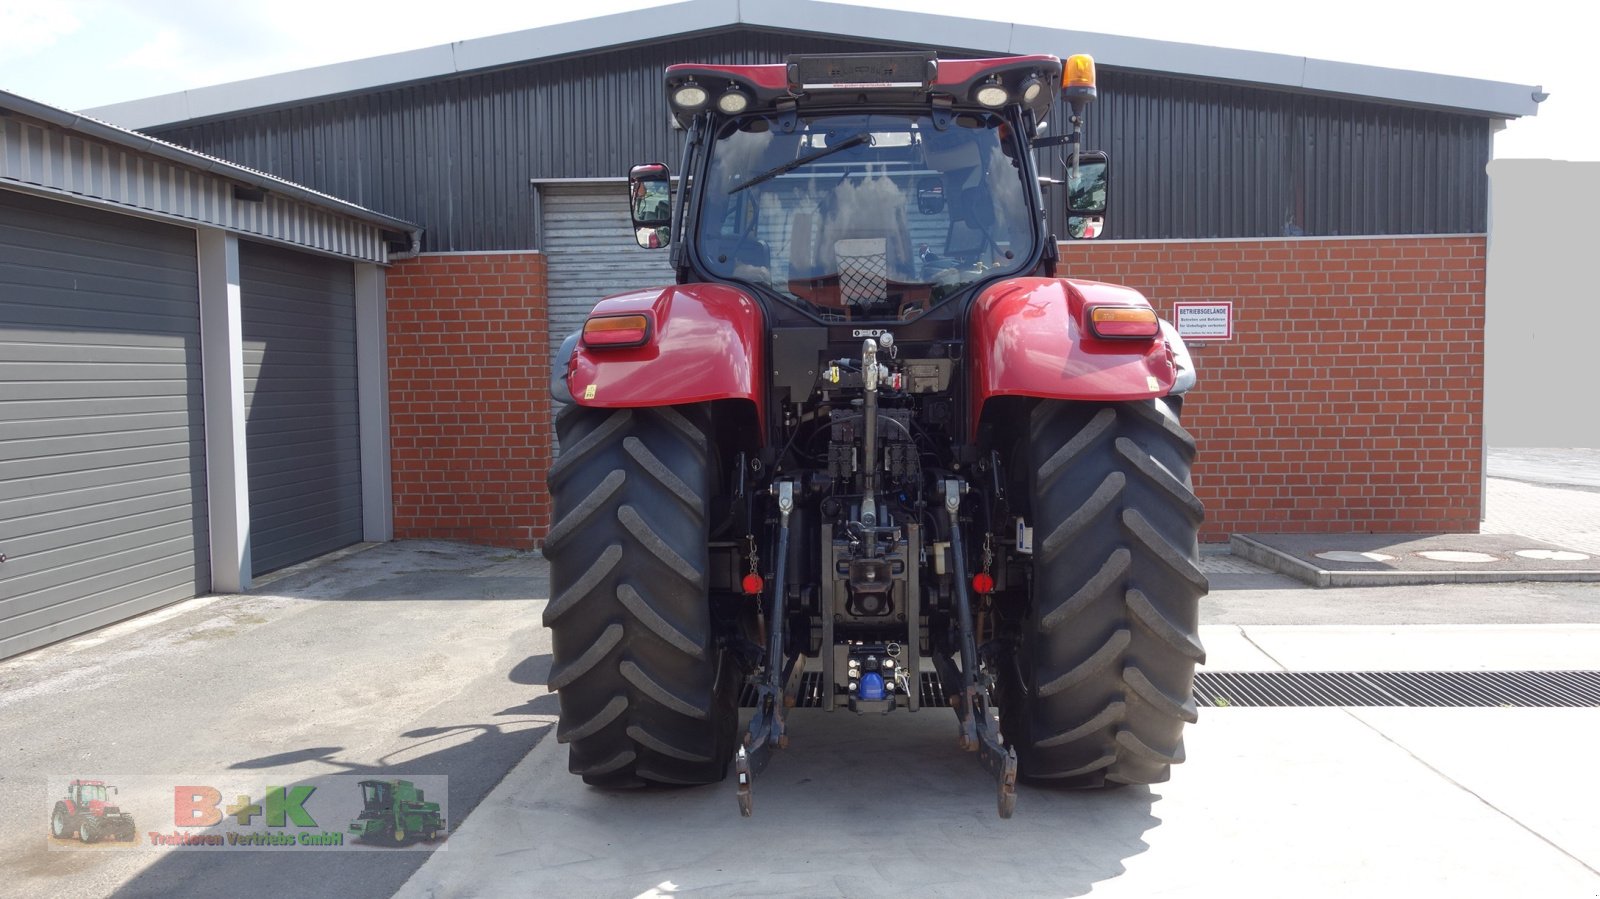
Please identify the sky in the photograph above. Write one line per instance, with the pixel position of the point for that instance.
(84, 53)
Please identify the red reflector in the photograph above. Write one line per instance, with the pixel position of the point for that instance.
(982, 582)
(616, 331)
(1123, 321)
(752, 584)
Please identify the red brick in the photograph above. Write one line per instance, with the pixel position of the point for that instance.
(1331, 410)
(469, 420)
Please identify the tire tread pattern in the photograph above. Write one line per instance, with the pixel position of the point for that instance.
(1106, 667)
(645, 695)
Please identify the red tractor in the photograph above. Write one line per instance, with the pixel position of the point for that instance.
(873, 451)
(87, 814)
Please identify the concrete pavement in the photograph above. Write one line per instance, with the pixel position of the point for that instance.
(1302, 802)
(1551, 467)
(1397, 560)
(1568, 516)
(1542, 523)
(396, 659)
(428, 658)
(1273, 802)
(1546, 494)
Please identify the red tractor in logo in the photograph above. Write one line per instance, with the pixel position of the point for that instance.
(874, 451)
(87, 814)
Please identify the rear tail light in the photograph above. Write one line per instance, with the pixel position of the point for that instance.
(616, 331)
(1124, 322)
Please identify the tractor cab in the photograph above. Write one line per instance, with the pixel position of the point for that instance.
(377, 797)
(885, 216)
(87, 792)
(871, 187)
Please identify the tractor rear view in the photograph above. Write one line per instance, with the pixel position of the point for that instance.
(873, 451)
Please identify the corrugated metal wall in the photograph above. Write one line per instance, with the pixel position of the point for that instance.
(35, 154)
(1200, 159)
(1192, 158)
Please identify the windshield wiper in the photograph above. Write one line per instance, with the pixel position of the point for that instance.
(769, 174)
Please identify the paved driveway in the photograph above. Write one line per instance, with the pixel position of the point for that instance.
(1460, 802)
(428, 658)
(410, 657)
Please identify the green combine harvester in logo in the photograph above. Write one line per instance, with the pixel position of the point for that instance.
(395, 812)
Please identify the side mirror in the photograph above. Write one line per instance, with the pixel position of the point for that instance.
(650, 204)
(930, 195)
(1086, 188)
(1085, 227)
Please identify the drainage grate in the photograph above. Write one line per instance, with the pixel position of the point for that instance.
(1415, 689)
(810, 696)
(1440, 689)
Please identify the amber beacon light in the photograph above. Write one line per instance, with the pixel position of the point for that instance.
(1077, 80)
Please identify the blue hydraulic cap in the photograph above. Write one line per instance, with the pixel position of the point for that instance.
(871, 685)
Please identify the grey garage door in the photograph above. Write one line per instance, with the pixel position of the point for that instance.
(302, 426)
(102, 456)
(589, 248)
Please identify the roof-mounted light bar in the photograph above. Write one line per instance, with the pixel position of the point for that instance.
(991, 84)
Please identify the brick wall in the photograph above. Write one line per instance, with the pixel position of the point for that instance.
(1349, 400)
(1351, 397)
(469, 401)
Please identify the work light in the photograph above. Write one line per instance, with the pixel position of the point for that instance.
(733, 101)
(1031, 89)
(992, 93)
(689, 96)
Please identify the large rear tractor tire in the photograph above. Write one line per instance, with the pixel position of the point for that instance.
(647, 695)
(1104, 673)
(60, 822)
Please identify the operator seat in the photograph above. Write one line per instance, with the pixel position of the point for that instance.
(970, 237)
(865, 239)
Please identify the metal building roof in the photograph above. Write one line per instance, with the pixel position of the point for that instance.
(97, 129)
(1490, 98)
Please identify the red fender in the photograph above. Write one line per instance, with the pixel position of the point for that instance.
(1027, 338)
(706, 343)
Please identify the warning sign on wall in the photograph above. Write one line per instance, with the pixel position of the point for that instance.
(1203, 321)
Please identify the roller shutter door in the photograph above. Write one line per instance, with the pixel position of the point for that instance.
(102, 455)
(301, 416)
(590, 252)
